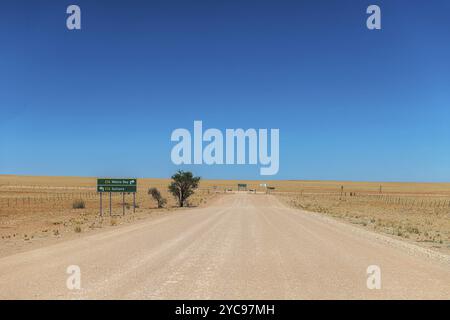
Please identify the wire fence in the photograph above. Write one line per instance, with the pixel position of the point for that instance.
(410, 200)
(40, 199)
(14, 200)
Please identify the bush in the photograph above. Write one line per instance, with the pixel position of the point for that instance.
(77, 229)
(183, 186)
(156, 195)
(78, 204)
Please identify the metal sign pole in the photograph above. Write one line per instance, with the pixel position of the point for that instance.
(118, 185)
(101, 209)
(123, 203)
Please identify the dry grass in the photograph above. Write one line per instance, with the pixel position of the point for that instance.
(423, 219)
(34, 207)
(37, 208)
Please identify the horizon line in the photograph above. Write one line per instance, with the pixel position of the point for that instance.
(222, 179)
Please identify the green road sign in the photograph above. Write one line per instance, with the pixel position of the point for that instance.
(117, 182)
(116, 185)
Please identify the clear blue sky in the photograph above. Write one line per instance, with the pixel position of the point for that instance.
(350, 103)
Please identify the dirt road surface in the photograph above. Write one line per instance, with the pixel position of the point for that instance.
(242, 246)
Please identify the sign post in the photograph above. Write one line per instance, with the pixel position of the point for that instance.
(123, 203)
(269, 189)
(101, 209)
(117, 185)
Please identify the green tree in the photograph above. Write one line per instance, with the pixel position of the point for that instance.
(183, 185)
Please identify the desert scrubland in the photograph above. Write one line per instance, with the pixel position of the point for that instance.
(37, 209)
(239, 246)
(415, 212)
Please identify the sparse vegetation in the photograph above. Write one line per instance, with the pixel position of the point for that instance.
(156, 195)
(78, 204)
(183, 185)
(77, 229)
(30, 205)
(413, 217)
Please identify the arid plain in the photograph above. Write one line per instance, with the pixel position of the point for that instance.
(304, 240)
(36, 210)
